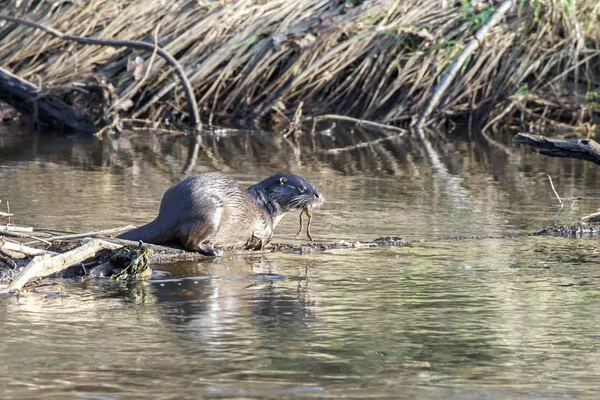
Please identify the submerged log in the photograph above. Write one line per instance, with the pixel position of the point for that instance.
(584, 149)
(44, 109)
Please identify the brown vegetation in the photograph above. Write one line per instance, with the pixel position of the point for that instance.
(376, 60)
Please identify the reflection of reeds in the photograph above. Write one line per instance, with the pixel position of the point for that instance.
(375, 61)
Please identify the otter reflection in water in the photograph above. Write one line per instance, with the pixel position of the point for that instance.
(209, 211)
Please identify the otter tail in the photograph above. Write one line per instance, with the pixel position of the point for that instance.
(153, 232)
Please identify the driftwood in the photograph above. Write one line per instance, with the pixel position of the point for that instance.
(14, 228)
(470, 47)
(42, 266)
(69, 250)
(44, 109)
(21, 248)
(134, 44)
(585, 149)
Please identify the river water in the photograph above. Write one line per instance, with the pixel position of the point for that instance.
(471, 319)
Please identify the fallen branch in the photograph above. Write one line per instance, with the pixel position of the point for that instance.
(584, 149)
(134, 44)
(24, 235)
(45, 265)
(14, 228)
(21, 248)
(470, 47)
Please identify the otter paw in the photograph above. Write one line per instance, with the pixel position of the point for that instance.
(210, 251)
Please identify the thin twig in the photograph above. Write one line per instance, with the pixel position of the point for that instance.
(24, 235)
(362, 145)
(554, 190)
(357, 121)
(104, 232)
(590, 216)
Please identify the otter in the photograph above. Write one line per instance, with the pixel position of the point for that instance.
(209, 212)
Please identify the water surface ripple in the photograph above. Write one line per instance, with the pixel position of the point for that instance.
(470, 319)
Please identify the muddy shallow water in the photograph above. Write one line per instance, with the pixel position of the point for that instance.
(490, 318)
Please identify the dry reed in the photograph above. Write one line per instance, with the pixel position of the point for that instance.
(376, 60)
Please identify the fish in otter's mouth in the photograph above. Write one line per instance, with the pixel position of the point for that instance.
(312, 204)
(306, 210)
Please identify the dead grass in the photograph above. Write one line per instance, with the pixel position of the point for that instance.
(375, 60)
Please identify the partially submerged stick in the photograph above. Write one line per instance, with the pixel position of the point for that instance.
(45, 265)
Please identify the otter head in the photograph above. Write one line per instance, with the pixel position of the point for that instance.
(285, 192)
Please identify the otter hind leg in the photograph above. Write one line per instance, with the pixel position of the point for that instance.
(197, 235)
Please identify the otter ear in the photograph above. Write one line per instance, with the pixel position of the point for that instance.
(282, 180)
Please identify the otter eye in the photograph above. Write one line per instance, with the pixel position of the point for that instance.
(282, 180)
(301, 189)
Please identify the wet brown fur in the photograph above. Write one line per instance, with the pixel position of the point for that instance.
(210, 211)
